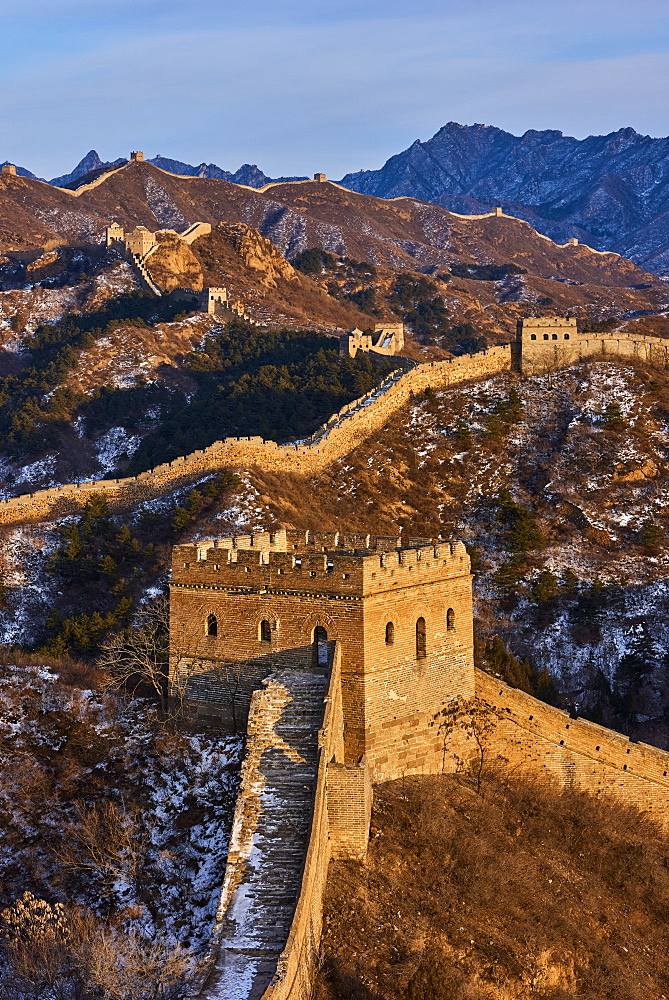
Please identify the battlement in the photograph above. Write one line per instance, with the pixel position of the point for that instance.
(317, 562)
(546, 343)
(388, 339)
(540, 328)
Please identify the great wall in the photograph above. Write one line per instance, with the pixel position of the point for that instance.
(355, 659)
(349, 427)
(334, 699)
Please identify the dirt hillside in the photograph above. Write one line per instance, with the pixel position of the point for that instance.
(522, 891)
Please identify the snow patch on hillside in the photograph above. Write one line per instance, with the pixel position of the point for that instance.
(115, 445)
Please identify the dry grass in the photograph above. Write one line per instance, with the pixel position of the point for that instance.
(525, 890)
(72, 672)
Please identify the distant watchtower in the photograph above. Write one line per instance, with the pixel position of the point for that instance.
(320, 178)
(546, 342)
(137, 155)
(402, 616)
(9, 168)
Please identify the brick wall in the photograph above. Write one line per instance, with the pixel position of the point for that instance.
(349, 809)
(559, 345)
(536, 739)
(344, 431)
(390, 690)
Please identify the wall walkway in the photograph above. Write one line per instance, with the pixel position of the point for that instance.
(271, 834)
(286, 827)
(340, 435)
(343, 432)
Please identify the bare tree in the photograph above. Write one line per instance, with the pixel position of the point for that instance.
(62, 953)
(142, 653)
(139, 654)
(470, 721)
(124, 965)
(106, 842)
(36, 942)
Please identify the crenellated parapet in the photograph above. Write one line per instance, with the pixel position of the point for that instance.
(387, 339)
(401, 612)
(338, 565)
(547, 343)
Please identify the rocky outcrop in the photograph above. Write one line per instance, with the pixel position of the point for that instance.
(173, 264)
(258, 253)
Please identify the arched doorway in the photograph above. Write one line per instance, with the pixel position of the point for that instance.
(320, 647)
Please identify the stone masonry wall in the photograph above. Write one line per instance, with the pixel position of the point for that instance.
(295, 969)
(343, 432)
(391, 689)
(349, 809)
(535, 739)
(403, 693)
(542, 355)
(340, 435)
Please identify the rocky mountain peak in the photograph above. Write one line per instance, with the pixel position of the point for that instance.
(610, 191)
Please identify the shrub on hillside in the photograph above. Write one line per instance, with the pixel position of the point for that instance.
(526, 890)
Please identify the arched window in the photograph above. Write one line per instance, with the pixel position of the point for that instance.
(265, 631)
(390, 634)
(533, 336)
(450, 619)
(320, 646)
(212, 625)
(545, 336)
(555, 336)
(420, 639)
(566, 336)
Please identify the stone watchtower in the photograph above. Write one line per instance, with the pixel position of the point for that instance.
(402, 616)
(546, 342)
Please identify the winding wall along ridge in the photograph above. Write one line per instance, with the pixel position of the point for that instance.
(343, 432)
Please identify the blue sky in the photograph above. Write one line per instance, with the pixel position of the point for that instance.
(298, 87)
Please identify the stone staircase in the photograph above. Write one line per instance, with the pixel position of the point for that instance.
(280, 772)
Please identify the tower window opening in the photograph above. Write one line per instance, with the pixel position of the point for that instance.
(545, 336)
(450, 619)
(265, 631)
(555, 336)
(212, 625)
(421, 645)
(566, 336)
(390, 634)
(533, 336)
(320, 646)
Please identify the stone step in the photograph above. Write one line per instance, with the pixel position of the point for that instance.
(271, 884)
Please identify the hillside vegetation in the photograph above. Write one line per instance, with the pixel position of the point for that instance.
(522, 891)
(114, 840)
(559, 485)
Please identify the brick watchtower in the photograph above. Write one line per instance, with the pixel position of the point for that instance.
(402, 617)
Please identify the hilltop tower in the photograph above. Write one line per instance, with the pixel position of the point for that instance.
(402, 616)
(546, 342)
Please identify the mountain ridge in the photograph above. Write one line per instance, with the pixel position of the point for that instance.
(611, 190)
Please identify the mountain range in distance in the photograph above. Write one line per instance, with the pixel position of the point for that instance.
(611, 191)
(91, 164)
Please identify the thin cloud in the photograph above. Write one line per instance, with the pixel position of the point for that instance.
(323, 86)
